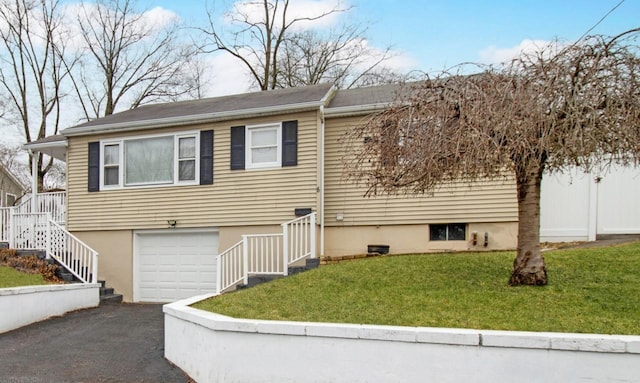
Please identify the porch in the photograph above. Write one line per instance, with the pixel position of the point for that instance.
(38, 224)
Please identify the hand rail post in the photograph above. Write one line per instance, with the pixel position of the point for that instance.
(12, 229)
(94, 271)
(312, 232)
(285, 248)
(48, 237)
(245, 257)
(218, 274)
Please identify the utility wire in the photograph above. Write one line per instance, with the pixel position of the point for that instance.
(599, 21)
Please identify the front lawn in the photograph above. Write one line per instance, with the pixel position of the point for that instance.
(10, 277)
(590, 291)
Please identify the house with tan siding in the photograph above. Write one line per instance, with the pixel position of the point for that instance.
(162, 191)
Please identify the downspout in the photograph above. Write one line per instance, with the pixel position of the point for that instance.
(321, 180)
(34, 179)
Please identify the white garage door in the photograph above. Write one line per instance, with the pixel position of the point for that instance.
(173, 265)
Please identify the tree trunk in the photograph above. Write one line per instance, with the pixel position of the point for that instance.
(529, 267)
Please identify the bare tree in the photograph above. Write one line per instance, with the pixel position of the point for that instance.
(31, 73)
(341, 57)
(259, 31)
(130, 59)
(544, 112)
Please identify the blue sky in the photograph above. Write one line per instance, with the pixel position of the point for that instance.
(433, 35)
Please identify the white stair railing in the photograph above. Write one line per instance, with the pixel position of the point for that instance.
(230, 267)
(299, 239)
(5, 224)
(263, 254)
(54, 203)
(5, 216)
(267, 254)
(73, 254)
(25, 230)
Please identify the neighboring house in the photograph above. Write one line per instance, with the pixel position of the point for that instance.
(160, 190)
(11, 188)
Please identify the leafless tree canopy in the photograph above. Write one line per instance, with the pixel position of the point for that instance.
(341, 57)
(278, 53)
(129, 59)
(32, 42)
(577, 105)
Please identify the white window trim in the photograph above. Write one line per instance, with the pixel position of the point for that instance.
(248, 153)
(121, 167)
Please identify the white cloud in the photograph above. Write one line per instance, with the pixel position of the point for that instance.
(152, 20)
(495, 55)
(397, 61)
(229, 76)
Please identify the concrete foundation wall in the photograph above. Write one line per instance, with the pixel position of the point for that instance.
(216, 348)
(21, 306)
(405, 239)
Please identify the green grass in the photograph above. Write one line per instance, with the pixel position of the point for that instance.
(10, 277)
(590, 291)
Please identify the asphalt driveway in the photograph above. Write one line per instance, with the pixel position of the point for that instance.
(111, 343)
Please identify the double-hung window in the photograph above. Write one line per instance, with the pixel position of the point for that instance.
(263, 146)
(152, 160)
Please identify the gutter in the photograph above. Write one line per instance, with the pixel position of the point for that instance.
(45, 145)
(356, 110)
(325, 101)
(190, 120)
(322, 118)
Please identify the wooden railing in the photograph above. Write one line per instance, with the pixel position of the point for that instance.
(73, 254)
(54, 203)
(28, 230)
(230, 270)
(299, 239)
(267, 254)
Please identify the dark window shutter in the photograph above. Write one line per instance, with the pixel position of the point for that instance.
(206, 157)
(290, 143)
(237, 147)
(94, 167)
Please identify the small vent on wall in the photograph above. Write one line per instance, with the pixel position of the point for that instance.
(302, 211)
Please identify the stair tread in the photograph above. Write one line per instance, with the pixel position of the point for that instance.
(111, 298)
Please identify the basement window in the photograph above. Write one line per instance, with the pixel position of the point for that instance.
(448, 232)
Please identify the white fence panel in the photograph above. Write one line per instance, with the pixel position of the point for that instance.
(575, 206)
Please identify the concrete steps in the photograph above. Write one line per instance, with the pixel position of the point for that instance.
(255, 280)
(108, 295)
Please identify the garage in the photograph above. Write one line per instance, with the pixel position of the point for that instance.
(174, 264)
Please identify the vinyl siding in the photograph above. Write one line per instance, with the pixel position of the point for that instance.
(490, 201)
(239, 197)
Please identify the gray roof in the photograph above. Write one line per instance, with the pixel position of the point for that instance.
(210, 109)
(55, 146)
(338, 103)
(373, 95)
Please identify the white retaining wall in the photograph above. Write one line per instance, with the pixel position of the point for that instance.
(215, 348)
(20, 306)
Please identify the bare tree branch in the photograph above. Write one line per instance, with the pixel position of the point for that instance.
(32, 72)
(543, 112)
(138, 61)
